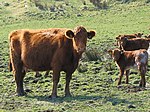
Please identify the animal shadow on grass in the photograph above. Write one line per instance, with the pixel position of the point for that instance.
(132, 88)
(90, 99)
(66, 99)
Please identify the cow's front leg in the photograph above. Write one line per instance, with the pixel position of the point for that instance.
(56, 77)
(127, 72)
(67, 89)
(120, 76)
(143, 80)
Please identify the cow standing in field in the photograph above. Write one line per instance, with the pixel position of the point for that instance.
(131, 59)
(128, 36)
(55, 49)
(133, 44)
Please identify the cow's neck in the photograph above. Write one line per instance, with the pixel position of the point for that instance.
(75, 49)
(76, 54)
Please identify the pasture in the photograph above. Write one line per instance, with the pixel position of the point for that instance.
(93, 85)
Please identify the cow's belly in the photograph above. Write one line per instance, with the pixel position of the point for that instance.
(37, 61)
(135, 66)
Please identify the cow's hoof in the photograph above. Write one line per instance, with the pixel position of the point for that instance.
(68, 95)
(53, 97)
(21, 94)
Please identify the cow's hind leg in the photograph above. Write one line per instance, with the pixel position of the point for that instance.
(19, 73)
(142, 74)
(56, 77)
(120, 76)
(127, 72)
(19, 76)
(67, 89)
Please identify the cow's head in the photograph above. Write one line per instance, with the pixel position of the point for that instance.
(115, 54)
(139, 34)
(121, 41)
(79, 37)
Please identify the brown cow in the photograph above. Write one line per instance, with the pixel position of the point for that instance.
(127, 59)
(128, 36)
(54, 49)
(133, 44)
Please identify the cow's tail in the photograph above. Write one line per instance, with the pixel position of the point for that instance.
(10, 65)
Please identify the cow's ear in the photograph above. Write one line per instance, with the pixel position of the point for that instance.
(117, 38)
(69, 34)
(109, 52)
(125, 39)
(91, 34)
(117, 54)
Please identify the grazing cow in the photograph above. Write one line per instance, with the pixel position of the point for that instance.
(127, 59)
(55, 49)
(133, 44)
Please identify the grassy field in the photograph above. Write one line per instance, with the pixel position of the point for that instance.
(93, 85)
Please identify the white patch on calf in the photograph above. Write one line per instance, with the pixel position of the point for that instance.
(144, 59)
(148, 49)
(141, 59)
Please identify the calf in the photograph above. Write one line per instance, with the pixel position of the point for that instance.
(56, 49)
(127, 59)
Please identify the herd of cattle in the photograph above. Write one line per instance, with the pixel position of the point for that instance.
(132, 53)
(59, 49)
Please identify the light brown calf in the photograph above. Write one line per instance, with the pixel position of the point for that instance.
(131, 59)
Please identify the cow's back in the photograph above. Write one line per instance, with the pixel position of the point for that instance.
(40, 48)
(136, 44)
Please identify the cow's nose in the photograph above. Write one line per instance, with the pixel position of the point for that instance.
(81, 49)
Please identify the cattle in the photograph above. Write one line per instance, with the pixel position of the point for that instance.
(56, 49)
(133, 44)
(125, 60)
(128, 36)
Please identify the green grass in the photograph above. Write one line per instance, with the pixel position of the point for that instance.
(94, 89)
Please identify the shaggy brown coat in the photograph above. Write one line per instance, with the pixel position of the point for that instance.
(128, 36)
(133, 44)
(54, 49)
